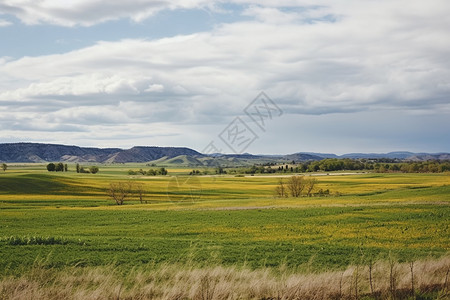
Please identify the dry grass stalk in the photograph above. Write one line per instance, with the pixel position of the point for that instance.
(387, 280)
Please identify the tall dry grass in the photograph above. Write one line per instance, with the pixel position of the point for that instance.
(380, 280)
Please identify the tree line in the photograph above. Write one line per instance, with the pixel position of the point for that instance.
(346, 164)
(60, 167)
(151, 172)
(382, 165)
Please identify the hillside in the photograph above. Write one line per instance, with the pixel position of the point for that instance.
(35, 152)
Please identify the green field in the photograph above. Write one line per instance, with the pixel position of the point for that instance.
(67, 219)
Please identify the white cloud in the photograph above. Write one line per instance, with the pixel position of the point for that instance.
(89, 12)
(314, 65)
(155, 88)
(4, 23)
(337, 57)
(271, 14)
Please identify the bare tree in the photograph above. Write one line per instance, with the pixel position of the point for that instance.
(309, 185)
(280, 190)
(296, 185)
(119, 191)
(140, 191)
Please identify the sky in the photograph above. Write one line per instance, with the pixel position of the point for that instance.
(264, 77)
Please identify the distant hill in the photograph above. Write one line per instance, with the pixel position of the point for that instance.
(303, 157)
(393, 155)
(321, 155)
(35, 152)
(402, 155)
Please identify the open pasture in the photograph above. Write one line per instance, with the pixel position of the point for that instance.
(66, 219)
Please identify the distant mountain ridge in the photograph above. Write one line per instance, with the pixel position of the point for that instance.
(401, 155)
(37, 152)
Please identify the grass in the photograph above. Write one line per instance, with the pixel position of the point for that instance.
(63, 220)
(428, 279)
(333, 237)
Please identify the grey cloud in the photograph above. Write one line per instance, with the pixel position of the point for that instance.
(29, 125)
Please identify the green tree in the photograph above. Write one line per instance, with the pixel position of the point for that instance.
(93, 169)
(163, 171)
(59, 167)
(4, 167)
(51, 167)
(78, 168)
(220, 170)
(66, 168)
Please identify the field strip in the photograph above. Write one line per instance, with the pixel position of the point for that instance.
(321, 205)
(282, 175)
(176, 207)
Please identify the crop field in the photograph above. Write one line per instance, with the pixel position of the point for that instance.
(66, 220)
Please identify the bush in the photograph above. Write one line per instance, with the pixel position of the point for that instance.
(82, 170)
(51, 167)
(93, 169)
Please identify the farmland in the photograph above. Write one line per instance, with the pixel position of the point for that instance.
(66, 220)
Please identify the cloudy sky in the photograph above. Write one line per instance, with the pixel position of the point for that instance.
(346, 76)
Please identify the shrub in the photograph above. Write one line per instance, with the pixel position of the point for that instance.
(51, 167)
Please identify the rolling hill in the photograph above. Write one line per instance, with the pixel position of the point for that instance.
(35, 152)
(40, 153)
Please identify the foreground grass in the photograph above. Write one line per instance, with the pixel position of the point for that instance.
(426, 279)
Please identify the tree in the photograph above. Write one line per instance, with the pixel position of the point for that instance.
(280, 190)
(309, 185)
(163, 171)
(296, 185)
(51, 167)
(59, 167)
(220, 170)
(93, 169)
(78, 168)
(140, 192)
(4, 167)
(119, 191)
(65, 168)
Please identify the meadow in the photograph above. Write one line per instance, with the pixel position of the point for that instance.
(66, 221)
